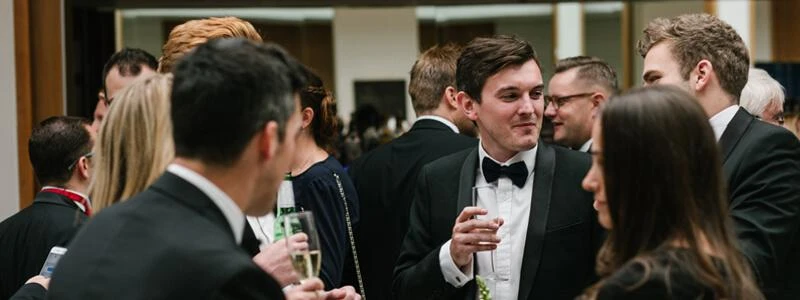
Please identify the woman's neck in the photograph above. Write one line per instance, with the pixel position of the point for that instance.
(308, 154)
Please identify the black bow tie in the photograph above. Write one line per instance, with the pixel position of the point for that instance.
(517, 172)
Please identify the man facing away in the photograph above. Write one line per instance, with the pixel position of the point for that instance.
(385, 177)
(763, 97)
(60, 152)
(705, 56)
(578, 88)
(121, 70)
(546, 233)
(235, 116)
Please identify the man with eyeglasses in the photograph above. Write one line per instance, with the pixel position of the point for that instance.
(120, 70)
(578, 87)
(60, 152)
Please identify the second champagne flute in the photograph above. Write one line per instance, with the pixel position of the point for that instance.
(306, 261)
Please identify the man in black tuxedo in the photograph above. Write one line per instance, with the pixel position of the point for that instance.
(385, 177)
(706, 56)
(59, 150)
(577, 90)
(546, 233)
(235, 116)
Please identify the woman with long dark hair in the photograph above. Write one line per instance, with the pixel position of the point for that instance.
(658, 185)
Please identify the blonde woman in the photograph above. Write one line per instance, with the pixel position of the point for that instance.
(134, 144)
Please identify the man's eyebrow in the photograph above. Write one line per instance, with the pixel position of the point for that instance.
(507, 88)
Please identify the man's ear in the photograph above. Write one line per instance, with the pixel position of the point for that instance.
(468, 105)
(268, 140)
(84, 168)
(450, 96)
(704, 72)
(308, 116)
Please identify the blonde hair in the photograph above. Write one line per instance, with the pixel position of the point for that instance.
(134, 143)
(187, 36)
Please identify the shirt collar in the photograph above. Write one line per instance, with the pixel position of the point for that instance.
(229, 209)
(80, 205)
(440, 119)
(585, 147)
(528, 156)
(721, 120)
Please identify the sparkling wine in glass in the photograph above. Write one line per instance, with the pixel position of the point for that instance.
(306, 261)
(485, 197)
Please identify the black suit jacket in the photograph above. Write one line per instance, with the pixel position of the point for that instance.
(27, 236)
(168, 242)
(384, 179)
(762, 165)
(562, 240)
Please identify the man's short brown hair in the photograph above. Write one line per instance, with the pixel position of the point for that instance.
(433, 72)
(695, 37)
(187, 36)
(484, 57)
(591, 69)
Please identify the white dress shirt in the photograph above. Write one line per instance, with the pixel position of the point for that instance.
(513, 205)
(440, 119)
(229, 209)
(263, 227)
(585, 147)
(720, 121)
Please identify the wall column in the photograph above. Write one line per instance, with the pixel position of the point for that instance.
(568, 26)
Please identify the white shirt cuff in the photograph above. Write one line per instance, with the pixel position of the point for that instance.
(452, 274)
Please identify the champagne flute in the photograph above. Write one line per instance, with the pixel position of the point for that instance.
(485, 197)
(306, 261)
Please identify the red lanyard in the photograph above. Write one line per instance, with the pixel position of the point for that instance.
(72, 196)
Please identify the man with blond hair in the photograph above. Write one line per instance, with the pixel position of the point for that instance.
(385, 178)
(763, 97)
(705, 56)
(187, 36)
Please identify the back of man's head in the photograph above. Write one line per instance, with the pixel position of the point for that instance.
(187, 36)
(433, 72)
(225, 91)
(591, 70)
(696, 37)
(55, 145)
(761, 90)
(129, 62)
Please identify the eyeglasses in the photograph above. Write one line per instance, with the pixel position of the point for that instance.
(560, 101)
(87, 155)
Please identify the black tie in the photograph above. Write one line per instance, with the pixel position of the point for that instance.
(517, 172)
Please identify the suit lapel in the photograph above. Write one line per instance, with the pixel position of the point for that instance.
(540, 206)
(467, 180)
(465, 183)
(734, 132)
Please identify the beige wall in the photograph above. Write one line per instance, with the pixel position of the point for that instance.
(372, 44)
(603, 39)
(536, 30)
(763, 31)
(143, 32)
(9, 176)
